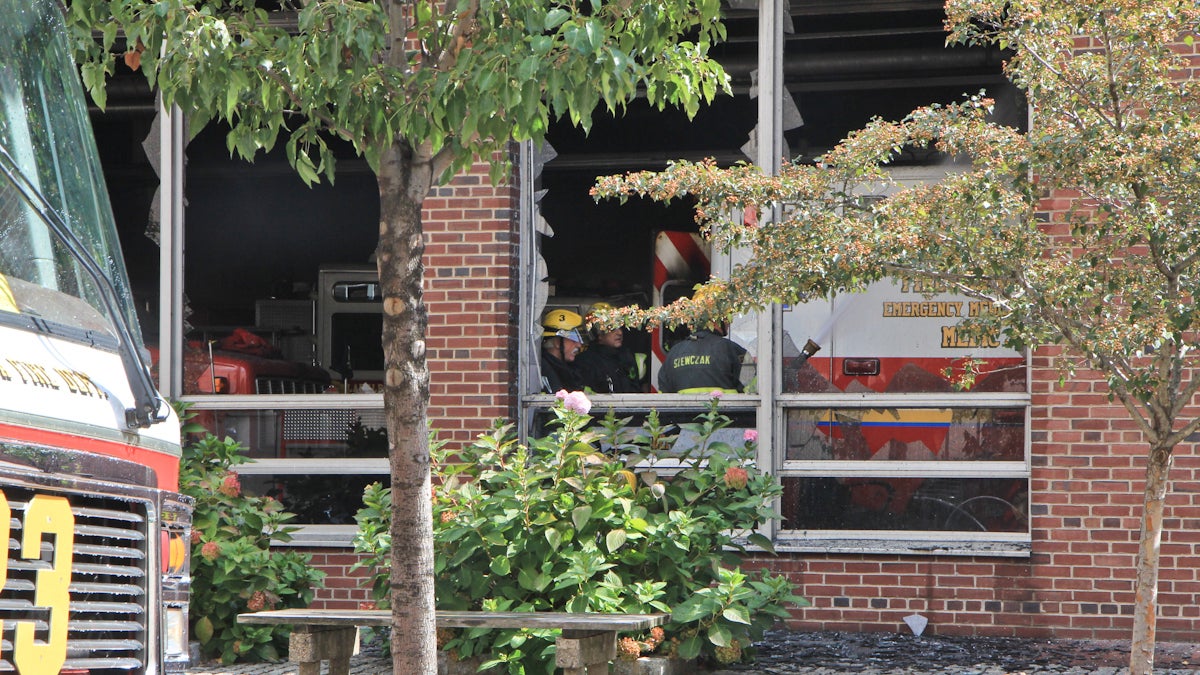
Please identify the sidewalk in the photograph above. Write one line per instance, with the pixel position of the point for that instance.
(785, 652)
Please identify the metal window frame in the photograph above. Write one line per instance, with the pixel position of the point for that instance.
(1005, 544)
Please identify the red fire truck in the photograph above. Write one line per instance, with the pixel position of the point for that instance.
(94, 573)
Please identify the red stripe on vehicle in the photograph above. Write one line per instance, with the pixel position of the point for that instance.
(166, 467)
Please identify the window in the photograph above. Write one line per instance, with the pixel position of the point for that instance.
(885, 435)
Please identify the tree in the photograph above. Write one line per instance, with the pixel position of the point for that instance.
(1115, 123)
(420, 89)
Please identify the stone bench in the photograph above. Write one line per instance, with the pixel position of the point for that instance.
(588, 641)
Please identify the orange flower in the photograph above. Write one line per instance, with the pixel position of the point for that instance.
(231, 486)
(736, 477)
(257, 601)
(628, 648)
(209, 551)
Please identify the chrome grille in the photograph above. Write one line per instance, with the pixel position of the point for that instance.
(287, 385)
(106, 630)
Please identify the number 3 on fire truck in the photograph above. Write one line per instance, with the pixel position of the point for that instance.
(45, 514)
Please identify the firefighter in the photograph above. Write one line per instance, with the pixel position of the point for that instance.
(561, 343)
(608, 366)
(703, 362)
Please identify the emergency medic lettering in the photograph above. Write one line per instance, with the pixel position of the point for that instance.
(922, 309)
(978, 308)
(953, 338)
(4, 374)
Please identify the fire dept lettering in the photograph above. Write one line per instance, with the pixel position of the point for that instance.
(59, 379)
(78, 383)
(32, 374)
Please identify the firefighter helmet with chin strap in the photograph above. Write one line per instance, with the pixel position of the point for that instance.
(562, 323)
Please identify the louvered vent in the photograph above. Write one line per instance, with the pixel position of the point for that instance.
(287, 385)
(106, 632)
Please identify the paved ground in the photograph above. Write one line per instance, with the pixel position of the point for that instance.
(828, 653)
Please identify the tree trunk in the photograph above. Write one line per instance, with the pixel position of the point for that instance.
(1145, 599)
(404, 181)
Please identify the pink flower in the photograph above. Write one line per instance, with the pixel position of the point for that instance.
(577, 401)
(561, 394)
(736, 477)
(750, 436)
(716, 393)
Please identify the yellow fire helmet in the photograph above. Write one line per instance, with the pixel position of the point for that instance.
(601, 306)
(562, 323)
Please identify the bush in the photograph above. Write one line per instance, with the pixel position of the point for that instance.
(234, 569)
(559, 525)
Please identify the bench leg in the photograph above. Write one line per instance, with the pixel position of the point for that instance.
(308, 646)
(585, 652)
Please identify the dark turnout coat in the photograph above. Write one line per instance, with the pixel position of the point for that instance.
(702, 362)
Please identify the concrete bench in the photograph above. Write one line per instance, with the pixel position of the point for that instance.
(588, 641)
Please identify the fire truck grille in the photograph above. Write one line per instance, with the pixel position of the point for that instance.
(106, 623)
(287, 385)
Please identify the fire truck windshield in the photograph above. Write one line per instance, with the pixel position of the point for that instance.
(44, 129)
(61, 269)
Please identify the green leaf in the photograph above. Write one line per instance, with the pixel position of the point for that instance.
(555, 18)
(719, 635)
(615, 540)
(554, 538)
(737, 615)
(694, 608)
(204, 630)
(580, 516)
(501, 565)
(690, 648)
(761, 541)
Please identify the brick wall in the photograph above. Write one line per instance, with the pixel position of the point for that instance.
(471, 265)
(343, 589)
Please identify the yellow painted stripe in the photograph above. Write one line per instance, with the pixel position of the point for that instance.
(8, 303)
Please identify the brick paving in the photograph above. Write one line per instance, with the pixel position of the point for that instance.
(830, 653)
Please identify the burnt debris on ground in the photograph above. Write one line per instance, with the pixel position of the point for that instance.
(859, 652)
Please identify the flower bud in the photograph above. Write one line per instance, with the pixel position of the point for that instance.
(736, 477)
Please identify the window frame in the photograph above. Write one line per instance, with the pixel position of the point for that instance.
(1007, 544)
(307, 534)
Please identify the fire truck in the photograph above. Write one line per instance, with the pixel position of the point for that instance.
(94, 571)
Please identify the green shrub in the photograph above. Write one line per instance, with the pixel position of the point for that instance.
(556, 524)
(234, 568)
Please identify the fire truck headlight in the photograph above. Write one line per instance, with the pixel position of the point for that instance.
(175, 641)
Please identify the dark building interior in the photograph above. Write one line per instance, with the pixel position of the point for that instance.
(255, 231)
